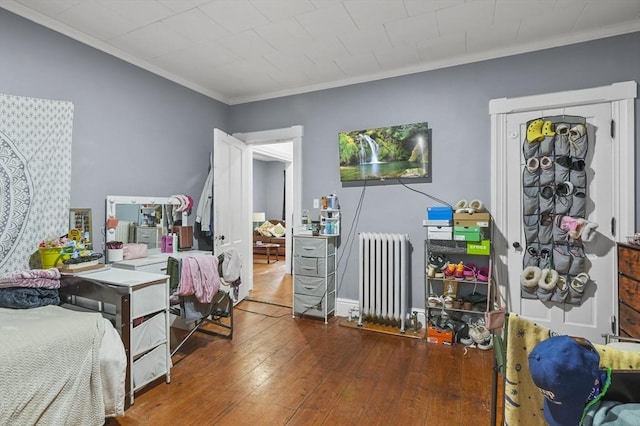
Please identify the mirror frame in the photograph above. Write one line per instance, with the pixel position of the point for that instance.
(86, 222)
(113, 200)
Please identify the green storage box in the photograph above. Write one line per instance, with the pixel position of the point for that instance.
(467, 233)
(481, 248)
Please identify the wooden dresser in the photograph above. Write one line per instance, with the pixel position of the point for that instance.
(628, 290)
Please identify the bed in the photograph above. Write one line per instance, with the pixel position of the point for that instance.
(59, 366)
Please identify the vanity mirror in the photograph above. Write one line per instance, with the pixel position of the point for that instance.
(80, 219)
(140, 219)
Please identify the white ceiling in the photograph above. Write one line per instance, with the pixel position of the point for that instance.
(243, 50)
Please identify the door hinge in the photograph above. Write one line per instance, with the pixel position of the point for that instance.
(613, 226)
(614, 325)
(613, 128)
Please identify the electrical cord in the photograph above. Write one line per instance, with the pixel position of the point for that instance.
(424, 193)
(260, 313)
(350, 240)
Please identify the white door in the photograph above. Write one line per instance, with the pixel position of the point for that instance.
(611, 198)
(231, 198)
(593, 317)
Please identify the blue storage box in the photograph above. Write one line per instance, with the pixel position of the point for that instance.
(439, 213)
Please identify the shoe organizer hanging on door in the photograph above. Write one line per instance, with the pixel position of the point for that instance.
(554, 186)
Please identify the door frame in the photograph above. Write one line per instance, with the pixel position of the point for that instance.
(293, 209)
(621, 96)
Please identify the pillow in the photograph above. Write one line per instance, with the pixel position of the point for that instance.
(278, 230)
(265, 229)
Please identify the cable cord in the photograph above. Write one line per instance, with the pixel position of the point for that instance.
(350, 239)
(424, 193)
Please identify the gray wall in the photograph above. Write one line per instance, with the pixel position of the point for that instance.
(260, 171)
(454, 101)
(268, 187)
(134, 133)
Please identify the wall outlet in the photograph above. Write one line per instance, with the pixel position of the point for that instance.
(316, 203)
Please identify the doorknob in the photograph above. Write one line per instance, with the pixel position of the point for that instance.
(222, 237)
(516, 245)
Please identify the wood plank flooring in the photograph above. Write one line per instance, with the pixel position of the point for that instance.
(278, 370)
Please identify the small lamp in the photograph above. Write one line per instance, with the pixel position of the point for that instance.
(259, 218)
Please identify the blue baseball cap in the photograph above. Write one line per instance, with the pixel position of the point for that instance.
(565, 370)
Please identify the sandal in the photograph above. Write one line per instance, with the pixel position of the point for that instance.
(459, 273)
(547, 129)
(483, 274)
(580, 281)
(534, 131)
(470, 272)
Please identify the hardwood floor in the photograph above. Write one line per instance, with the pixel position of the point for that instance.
(278, 370)
(271, 283)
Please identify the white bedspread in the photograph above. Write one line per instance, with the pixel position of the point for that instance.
(51, 371)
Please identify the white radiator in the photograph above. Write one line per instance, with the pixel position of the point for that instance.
(384, 262)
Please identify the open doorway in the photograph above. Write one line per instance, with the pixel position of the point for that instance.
(281, 148)
(271, 278)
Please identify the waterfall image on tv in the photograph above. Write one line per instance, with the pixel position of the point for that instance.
(386, 153)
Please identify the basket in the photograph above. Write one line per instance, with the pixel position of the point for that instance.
(51, 257)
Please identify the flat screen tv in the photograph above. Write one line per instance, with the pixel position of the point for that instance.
(385, 155)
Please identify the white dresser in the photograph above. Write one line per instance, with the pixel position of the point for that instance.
(156, 262)
(314, 276)
(138, 304)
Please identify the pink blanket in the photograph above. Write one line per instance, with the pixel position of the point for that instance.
(199, 277)
(34, 278)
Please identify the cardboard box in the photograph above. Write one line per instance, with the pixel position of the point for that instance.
(467, 233)
(439, 337)
(482, 248)
(440, 232)
(480, 220)
(439, 213)
(427, 222)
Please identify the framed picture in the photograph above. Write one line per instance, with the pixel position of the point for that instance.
(385, 155)
(80, 219)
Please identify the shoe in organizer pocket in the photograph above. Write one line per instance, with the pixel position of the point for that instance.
(578, 202)
(578, 141)
(531, 226)
(578, 178)
(561, 140)
(530, 204)
(561, 292)
(578, 260)
(561, 259)
(530, 178)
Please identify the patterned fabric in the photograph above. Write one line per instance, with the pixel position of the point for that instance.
(35, 176)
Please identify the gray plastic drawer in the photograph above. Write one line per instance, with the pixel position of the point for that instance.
(313, 286)
(312, 266)
(312, 246)
(308, 305)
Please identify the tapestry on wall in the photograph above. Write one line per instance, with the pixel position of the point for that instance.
(35, 176)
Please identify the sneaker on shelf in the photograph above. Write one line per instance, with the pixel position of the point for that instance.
(479, 333)
(437, 261)
(486, 344)
(467, 341)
